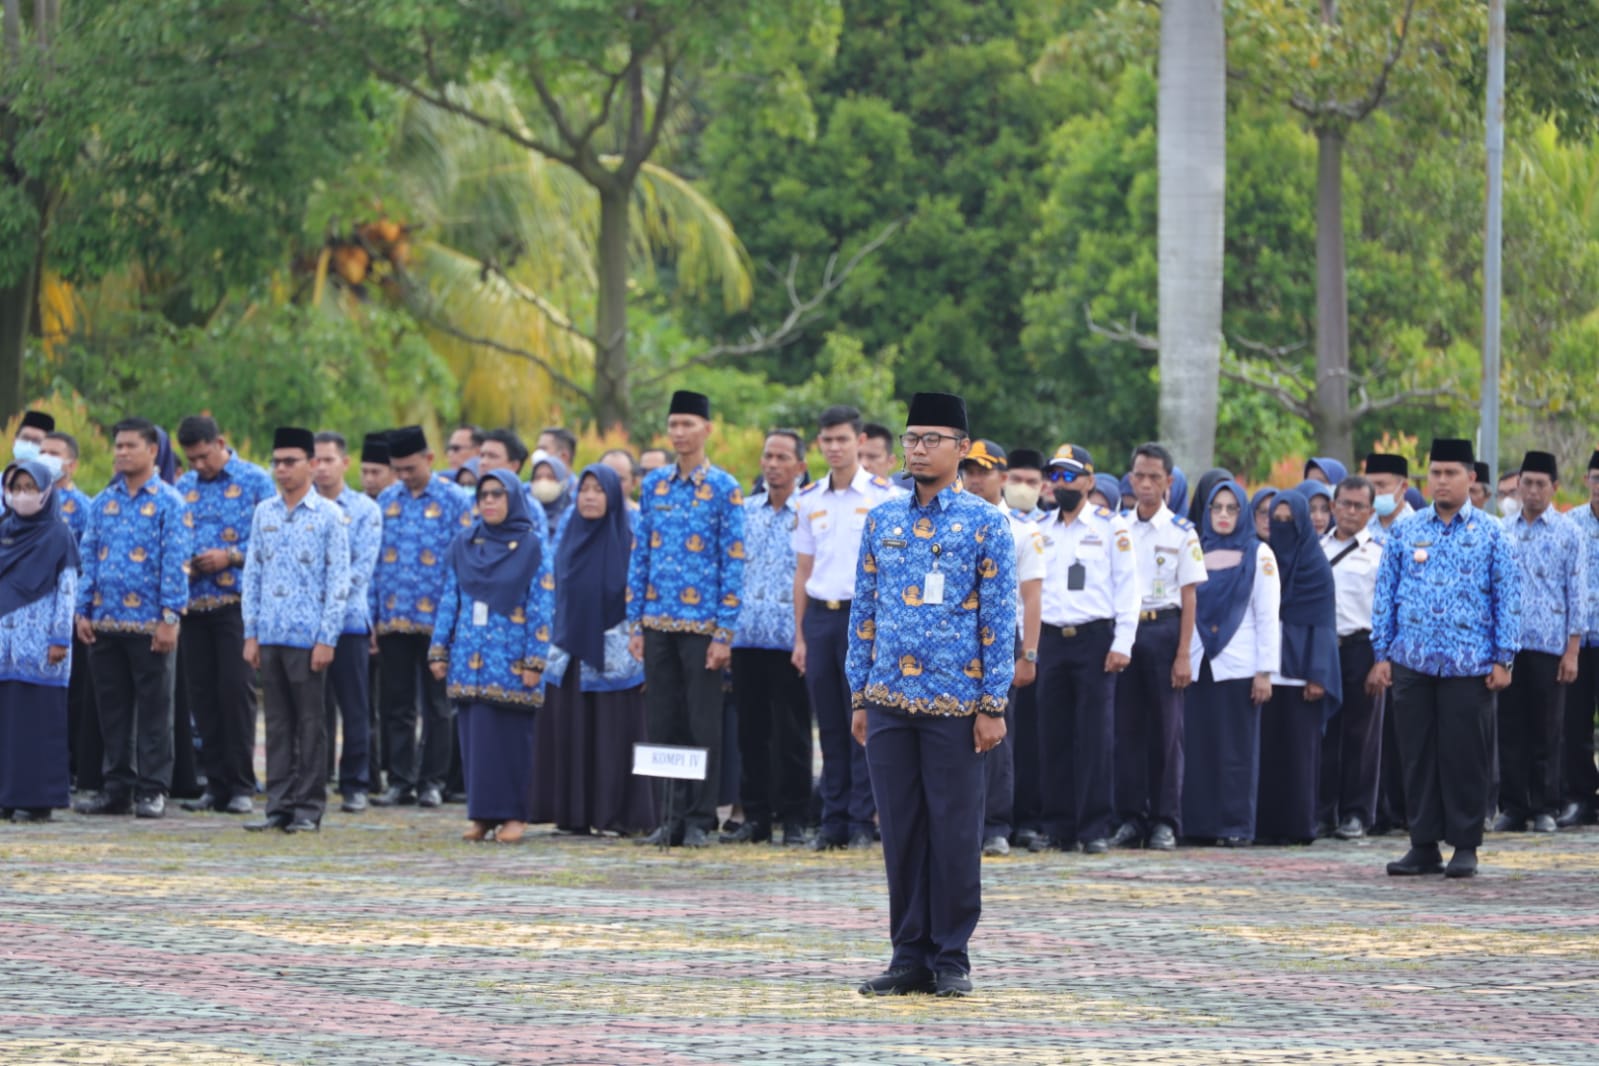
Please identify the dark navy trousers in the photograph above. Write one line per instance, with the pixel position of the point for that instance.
(1149, 730)
(348, 687)
(846, 783)
(928, 780)
(1076, 712)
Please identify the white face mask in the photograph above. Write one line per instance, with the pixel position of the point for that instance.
(546, 490)
(26, 503)
(51, 463)
(1021, 497)
(23, 450)
(1510, 507)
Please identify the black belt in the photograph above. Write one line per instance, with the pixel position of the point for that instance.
(827, 605)
(1164, 612)
(1085, 629)
(1359, 634)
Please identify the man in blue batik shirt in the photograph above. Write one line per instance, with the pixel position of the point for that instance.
(134, 588)
(1553, 616)
(774, 717)
(220, 492)
(422, 513)
(930, 663)
(296, 582)
(685, 586)
(1445, 629)
(1580, 782)
(348, 679)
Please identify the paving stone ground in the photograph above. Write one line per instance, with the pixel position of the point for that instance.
(386, 939)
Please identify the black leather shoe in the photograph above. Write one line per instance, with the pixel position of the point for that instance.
(1023, 837)
(823, 842)
(240, 805)
(1040, 842)
(899, 981)
(1350, 828)
(1570, 815)
(662, 837)
(996, 845)
(695, 837)
(1162, 838)
(30, 815)
(1127, 835)
(748, 833)
(302, 825)
(861, 842)
(354, 803)
(1506, 823)
(395, 797)
(100, 803)
(1324, 830)
(952, 984)
(429, 797)
(271, 821)
(151, 807)
(1418, 862)
(452, 796)
(1234, 842)
(1463, 863)
(1543, 823)
(1097, 846)
(205, 802)
(793, 835)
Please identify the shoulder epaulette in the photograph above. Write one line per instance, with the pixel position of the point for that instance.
(812, 487)
(880, 481)
(1104, 512)
(1181, 523)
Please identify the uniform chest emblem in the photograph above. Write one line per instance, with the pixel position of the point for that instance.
(695, 543)
(923, 529)
(233, 492)
(432, 510)
(112, 507)
(192, 496)
(705, 491)
(148, 510)
(392, 510)
(138, 554)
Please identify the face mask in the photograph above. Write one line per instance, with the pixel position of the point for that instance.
(26, 504)
(1068, 500)
(24, 450)
(546, 491)
(1510, 507)
(1385, 505)
(1021, 497)
(51, 463)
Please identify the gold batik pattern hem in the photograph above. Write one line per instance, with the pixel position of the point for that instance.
(403, 625)
(496, 694)
(943, 705)
(438, 653)
(529, 664)
(664, 624)
(111, 625)
(212, 603)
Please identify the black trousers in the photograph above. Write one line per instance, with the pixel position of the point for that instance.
(221, 699)
(83, 717)
(683, 702)
(1391, 777)
(1351, 751)
(186, 770)
(1445, 731)
(296, 733)
(134, 688)
(1532, 725)
(1149, 729)
(347, 700)
(407, 683)
(1581, 777)
(847, 804)
(774, 736)
(1076, 711)
(1027, 811)
(999, 780)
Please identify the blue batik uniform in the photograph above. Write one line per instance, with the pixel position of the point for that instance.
(1586, 524)
(135, 556)
(1554, 580)
(686, 574)
(28, 633)
(1581, 778)
(363, 527)
(766, 619)
(218, 514)
(486, 660)
(417, 530)
(296, 573)
(923, 670)
(1454, 610)
(622, 671)
(75, 510)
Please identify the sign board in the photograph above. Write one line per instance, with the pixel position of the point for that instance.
(669, 760)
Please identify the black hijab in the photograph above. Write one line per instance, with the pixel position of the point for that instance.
(1223, 597)
(36, 548)
(498, 564)
(1202, 492)
(1309, 597)
(591, 572)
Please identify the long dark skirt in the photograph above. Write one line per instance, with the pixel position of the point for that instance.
(1290, 765)
(584, 778)
(34, 763)
(497, 761)
(1221, 758)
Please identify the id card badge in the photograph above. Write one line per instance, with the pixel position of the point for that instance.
(933, 588)
(480, 613)
(1076, 577)
(1159, 591)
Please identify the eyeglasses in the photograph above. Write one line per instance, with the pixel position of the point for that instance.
(1224, 508)
(491, 494)
(1059, 476)
(912, 441)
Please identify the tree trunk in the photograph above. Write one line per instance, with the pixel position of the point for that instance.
(1192, 154)
(611, 407)
(17, 302)
(1330, 405)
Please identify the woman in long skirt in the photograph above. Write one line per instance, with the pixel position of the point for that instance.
(1307, 686)
(592, 720)
(38, 590)
(490, 645)
(1233, 660)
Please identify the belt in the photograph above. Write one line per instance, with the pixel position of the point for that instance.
(1085, 629)
(1359, 634)
(827, 605)
(1164, 612)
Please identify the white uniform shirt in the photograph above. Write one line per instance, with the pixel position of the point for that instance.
(1257, 647)
(1029, 557)
(830, 527)
(1354, 578)
(1100, 540)
(1169, 557)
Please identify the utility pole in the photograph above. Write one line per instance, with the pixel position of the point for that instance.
(1493, 238)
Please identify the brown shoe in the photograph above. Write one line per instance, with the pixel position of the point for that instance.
(476, 831)
(510, 832)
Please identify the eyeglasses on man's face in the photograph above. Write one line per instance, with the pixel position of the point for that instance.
(912, 441)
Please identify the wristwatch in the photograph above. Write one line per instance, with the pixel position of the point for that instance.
(1508, 665)
(169, 616)
(1030, 655)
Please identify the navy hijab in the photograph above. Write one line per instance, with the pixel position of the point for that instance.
(1265, 495)
(1309, 610)
(1177, 495)
(1332, 468)
(591, 572)
(1224, 595)
(498, 564)
(35, 549)
(1202, 493)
